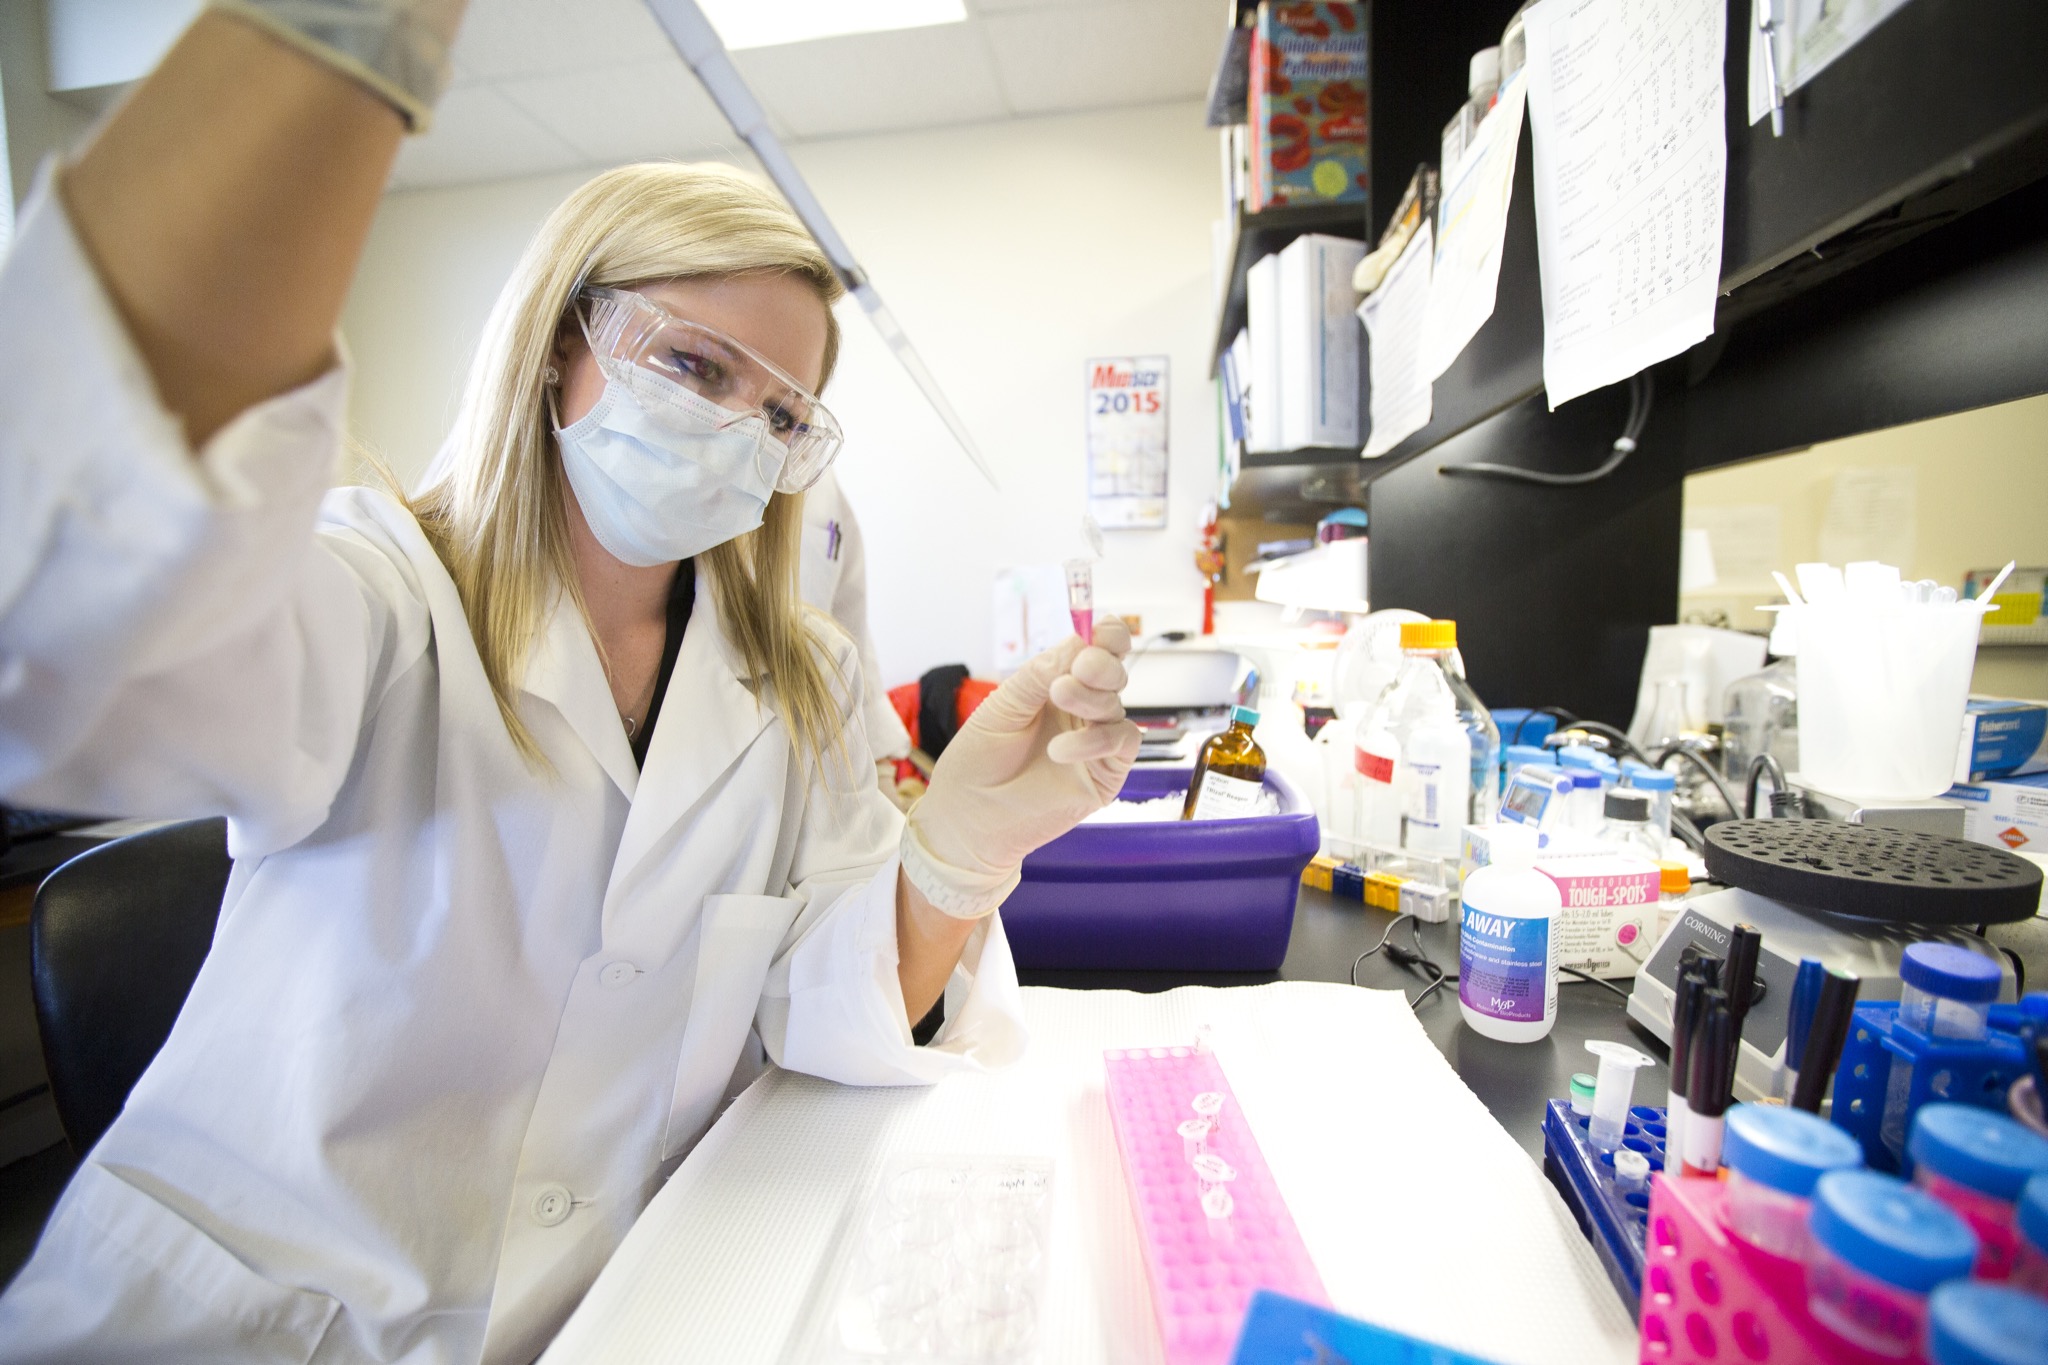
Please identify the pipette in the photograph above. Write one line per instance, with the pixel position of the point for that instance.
(1613, 1091)
(1081, 598)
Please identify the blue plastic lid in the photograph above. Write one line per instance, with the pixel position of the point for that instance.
(1950, 971)
(1970, 1322)
(1577, 756)
(1986, 1151)
(1243, 714)
(1519, 755)
(1584, 778)
(1645, 778)
(1886, 1228)
(1787, 1149)
(2034, 1212)
(2034, 1005)
(1606, 767)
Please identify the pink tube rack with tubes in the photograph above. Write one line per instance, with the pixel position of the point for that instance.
(1709, 1298)
(1214, 1229)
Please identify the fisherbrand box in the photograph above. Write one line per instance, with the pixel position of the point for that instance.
(1307, 105)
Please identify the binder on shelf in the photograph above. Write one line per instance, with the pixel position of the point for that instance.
(1262, 323)
(1318, 342)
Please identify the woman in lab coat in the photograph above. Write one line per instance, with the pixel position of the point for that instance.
(499, 937)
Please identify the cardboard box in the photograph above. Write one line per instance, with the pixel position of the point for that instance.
(2002, 739)
(1308, 107)
(2009, 813)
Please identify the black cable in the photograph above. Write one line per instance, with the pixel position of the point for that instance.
(2019, 969)
(1360, 959)
(1734, 808)
(1418, 957)
(1640, 391)
(1758, 767)
(1688, 832)
(1565, 720)
(1588, 976)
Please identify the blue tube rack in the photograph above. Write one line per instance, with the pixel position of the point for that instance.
(1616, 1222)
(1976, 1073)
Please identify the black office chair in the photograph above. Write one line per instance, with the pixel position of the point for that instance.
(115, 941)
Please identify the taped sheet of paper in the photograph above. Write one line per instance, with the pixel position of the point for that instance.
(1472, 224)
(733, 1260)
(1810, 35)
(1395, 317)
(1626, 107)
(1745, 538)
(1871, 515)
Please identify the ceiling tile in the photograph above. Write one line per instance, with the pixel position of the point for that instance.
(502, 38)
(625, 113)
(1102, 55)
(478, 134)
(871, 82)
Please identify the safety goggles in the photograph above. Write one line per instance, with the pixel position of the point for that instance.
(625, 328)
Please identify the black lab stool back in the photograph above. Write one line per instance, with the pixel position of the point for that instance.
(116, 939)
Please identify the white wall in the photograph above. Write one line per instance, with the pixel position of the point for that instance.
(1011, 252)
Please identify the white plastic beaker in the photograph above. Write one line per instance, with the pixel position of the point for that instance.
(1881, 694)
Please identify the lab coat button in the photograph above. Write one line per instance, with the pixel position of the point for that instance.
(618, 973)
(551, 1205)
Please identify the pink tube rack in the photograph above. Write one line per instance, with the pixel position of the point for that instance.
(1202, 1269)
(1708, 1298)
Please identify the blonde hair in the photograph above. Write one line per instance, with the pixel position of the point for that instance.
(495, 513)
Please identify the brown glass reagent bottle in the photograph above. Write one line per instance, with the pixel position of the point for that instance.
(1230, 774)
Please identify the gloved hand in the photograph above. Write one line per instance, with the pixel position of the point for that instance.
(1049, 747)
(397, 49)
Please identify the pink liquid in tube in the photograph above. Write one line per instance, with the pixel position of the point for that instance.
(1081, 598)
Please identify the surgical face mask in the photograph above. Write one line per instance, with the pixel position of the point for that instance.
(663, 474)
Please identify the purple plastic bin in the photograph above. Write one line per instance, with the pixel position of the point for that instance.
(1210, 896)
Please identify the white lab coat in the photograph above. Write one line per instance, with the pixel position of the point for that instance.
(462, 1014)
(832, 575)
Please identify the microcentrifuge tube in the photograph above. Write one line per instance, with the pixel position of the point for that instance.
(1205, 1040)
(1194, 1137)
(1081, 597)
(1217, 1204)
(1631, 1169)
(1208, 1105)
(1613, 1091)
(1212, 1170)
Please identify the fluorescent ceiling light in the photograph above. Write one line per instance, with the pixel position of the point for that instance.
(768, 23)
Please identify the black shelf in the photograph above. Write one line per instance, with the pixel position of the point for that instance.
(1307, 455)
(1261, 234)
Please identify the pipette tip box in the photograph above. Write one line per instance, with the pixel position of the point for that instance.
(1204, 1255)
(1283, 1331)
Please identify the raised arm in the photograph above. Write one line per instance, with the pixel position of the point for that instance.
(226, 201)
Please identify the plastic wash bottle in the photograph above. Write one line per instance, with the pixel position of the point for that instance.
(1507, 952)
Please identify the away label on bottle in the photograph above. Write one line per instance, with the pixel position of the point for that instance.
(1373, 767)
(1227, 798)
(1503, 964)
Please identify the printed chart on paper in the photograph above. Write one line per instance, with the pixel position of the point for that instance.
(1127, 441)
(1625, 97)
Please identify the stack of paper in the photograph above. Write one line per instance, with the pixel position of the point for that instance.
(1421, 1212)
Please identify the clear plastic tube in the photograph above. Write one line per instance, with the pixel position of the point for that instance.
(1081, 597)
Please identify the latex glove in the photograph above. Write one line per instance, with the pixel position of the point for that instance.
(1049, 747)
(397, 49)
